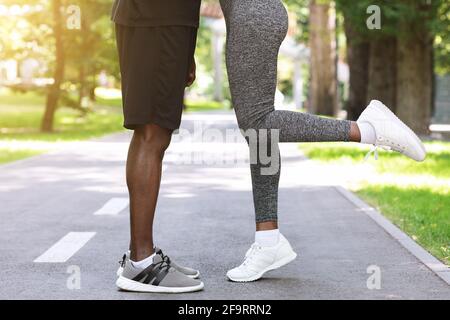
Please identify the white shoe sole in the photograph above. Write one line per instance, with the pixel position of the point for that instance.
(194, 276)
(135, 286)
(278, 264)
(381, 107)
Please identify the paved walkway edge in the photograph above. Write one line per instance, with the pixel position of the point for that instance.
(435, 265)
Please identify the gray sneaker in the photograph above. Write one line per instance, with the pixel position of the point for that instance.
(191, 273)
(159, 277)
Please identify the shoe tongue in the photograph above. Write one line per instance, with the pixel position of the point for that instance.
(157, 258)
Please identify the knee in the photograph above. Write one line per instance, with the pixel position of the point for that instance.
(244, 121)
(253, 117)
(153, 138)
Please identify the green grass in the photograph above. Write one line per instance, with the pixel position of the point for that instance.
(422, 212)
(199, 106)
(414, 196)
(109, 97)
(191, 106)
(9, 155)
(112, 102)
(23, 124)
(437, 162)
(112, 97)
(21, 114)
(20, 119)
(11, 99)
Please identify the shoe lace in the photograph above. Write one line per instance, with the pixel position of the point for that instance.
(123, 261)
(252, 253)
(165, 261)
(374, 150)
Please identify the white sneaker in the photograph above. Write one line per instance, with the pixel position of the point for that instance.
(391, 132)
(259, 260)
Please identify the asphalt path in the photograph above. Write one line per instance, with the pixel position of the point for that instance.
(64, 225)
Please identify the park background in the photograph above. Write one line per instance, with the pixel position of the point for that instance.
(59, 82)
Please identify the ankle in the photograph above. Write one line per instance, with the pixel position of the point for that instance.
(355, 132)
(267, 238)
(368, 133)
(138, 254)
(266, 225)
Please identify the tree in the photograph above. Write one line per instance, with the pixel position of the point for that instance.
(441, 29)
(415, 67)
(401, 63)
(54, 91)
(90, 49)
(72, 56)
(382, 69)
(371, 55)
(358, 50)
(323, 87)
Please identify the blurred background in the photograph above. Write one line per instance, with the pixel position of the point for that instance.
(59, 82)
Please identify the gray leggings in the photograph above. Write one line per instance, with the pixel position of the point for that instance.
(255, 30)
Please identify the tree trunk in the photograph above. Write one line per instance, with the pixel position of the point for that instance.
(82, 86)
(382, 71)
(323, 94)
(358, 61)
(92, 83)
(415, 77)
(82, 78)
(55, 89)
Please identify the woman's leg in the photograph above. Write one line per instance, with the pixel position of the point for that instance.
(255, 32)
(293, 127)
(265, 186)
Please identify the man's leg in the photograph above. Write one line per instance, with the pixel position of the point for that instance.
(144, 166)
(152, 90)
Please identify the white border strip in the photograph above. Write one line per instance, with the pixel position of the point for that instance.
(65, 248)
(440, 269)
(440, 127)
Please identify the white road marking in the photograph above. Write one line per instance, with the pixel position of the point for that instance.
(113, 207)
(179, 195)
(66, 247)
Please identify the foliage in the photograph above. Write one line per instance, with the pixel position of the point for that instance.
(436, 15)
(92, 48)
(301, 11)
(441, 27)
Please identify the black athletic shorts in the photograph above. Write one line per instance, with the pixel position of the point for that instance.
(154, 64)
